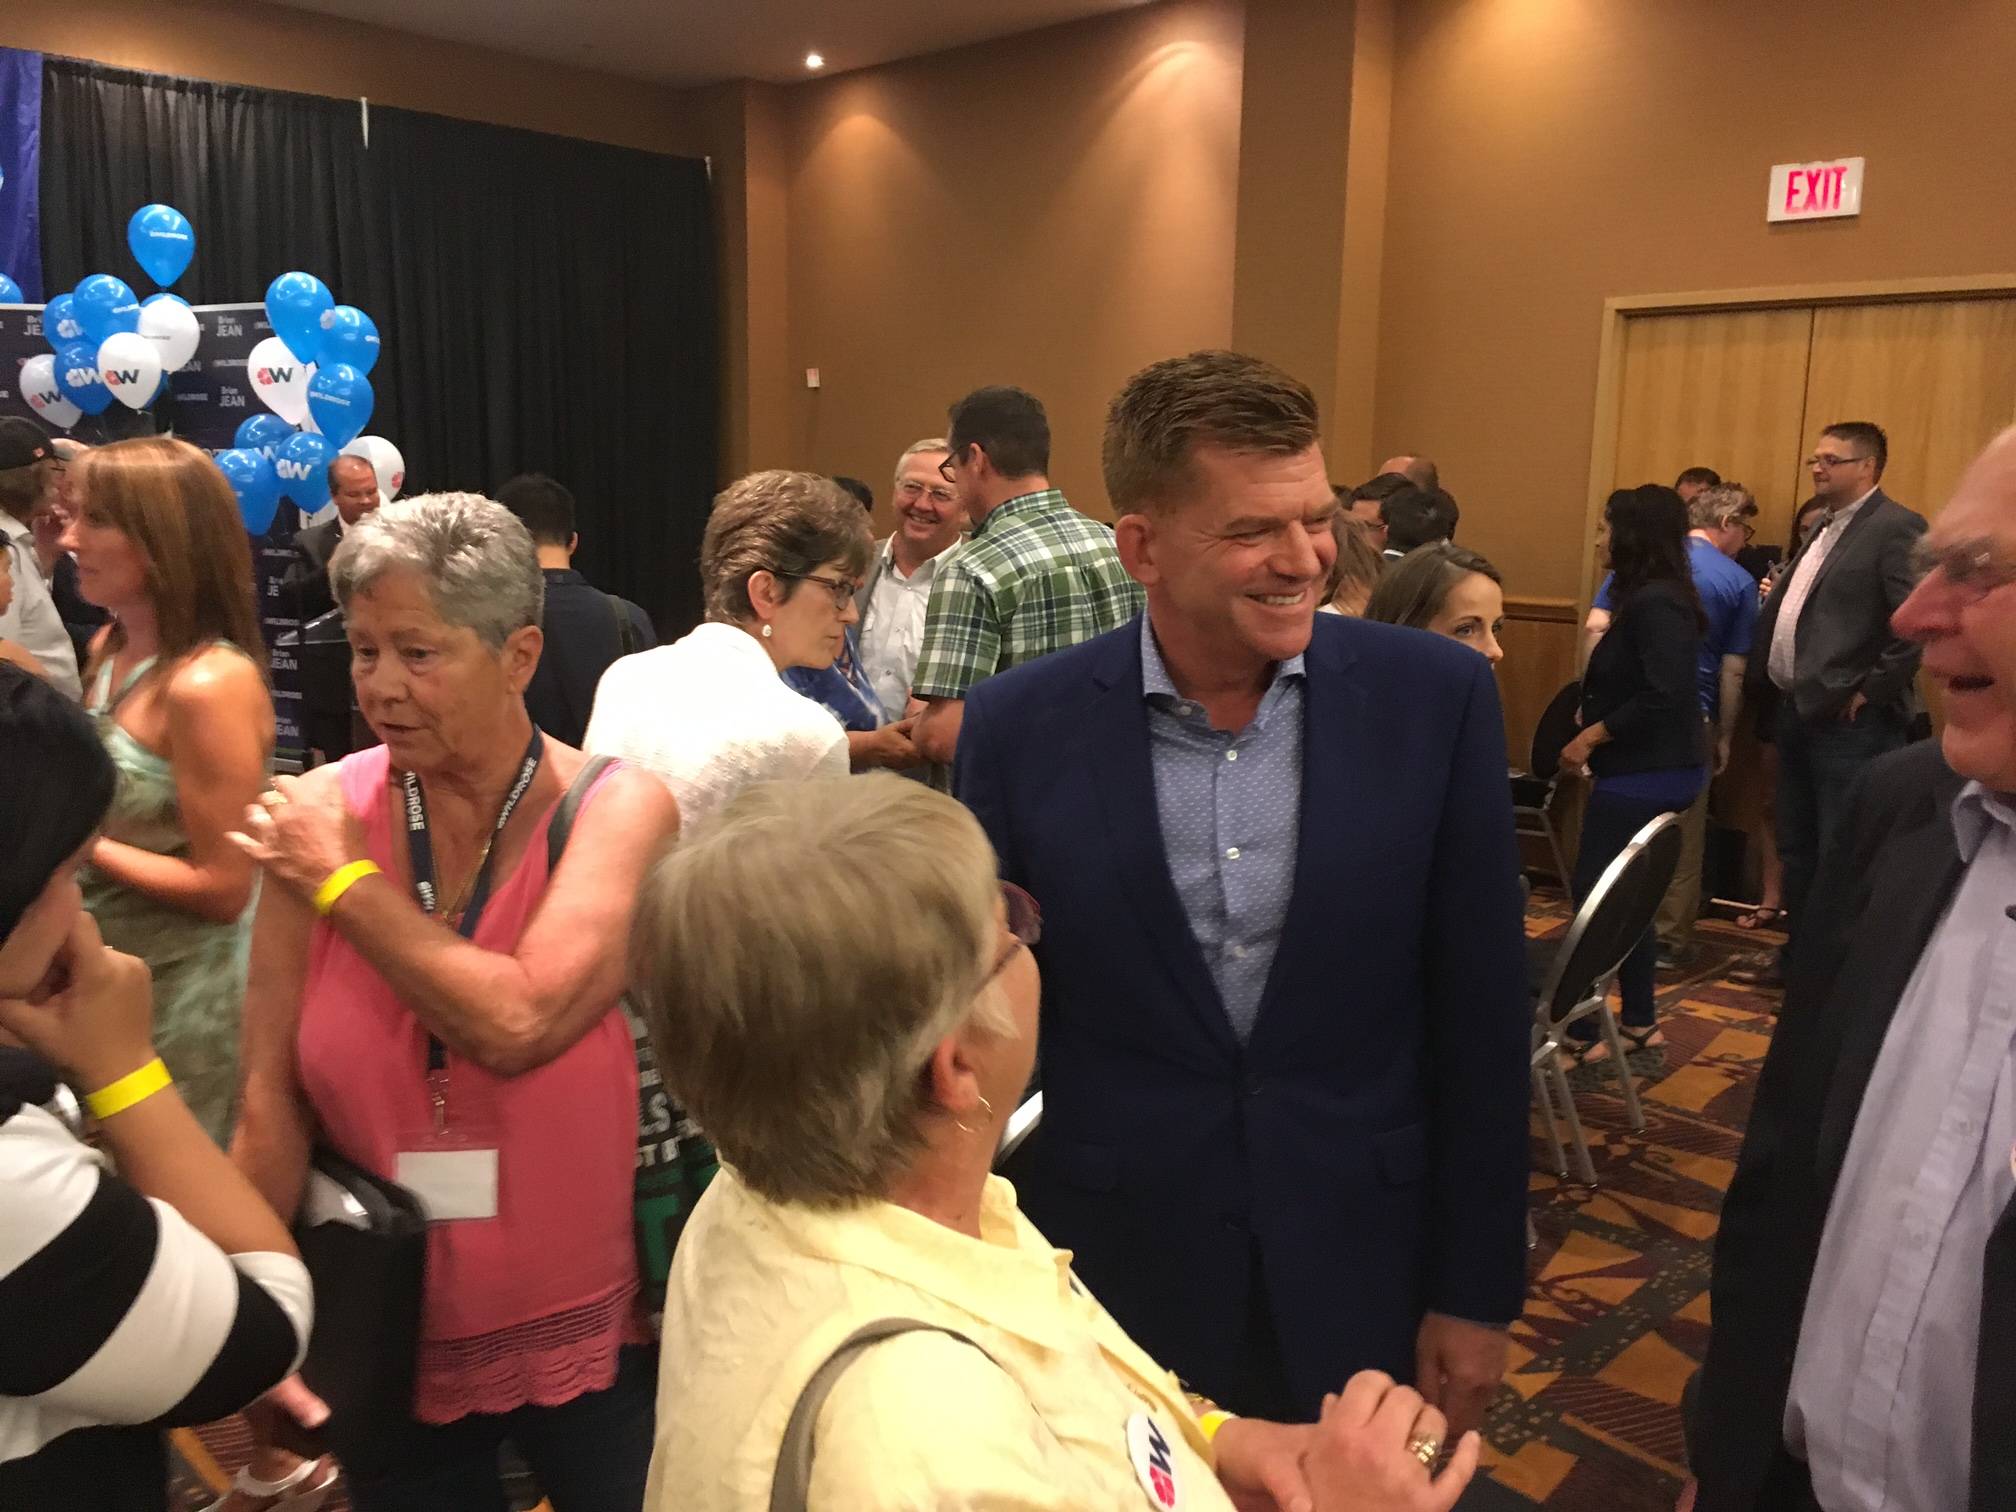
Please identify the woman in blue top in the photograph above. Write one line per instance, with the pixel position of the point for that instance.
(1641, 735)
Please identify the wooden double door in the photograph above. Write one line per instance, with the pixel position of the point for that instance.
(1746, 392)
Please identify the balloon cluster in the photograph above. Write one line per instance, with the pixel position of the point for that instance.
(311, 373)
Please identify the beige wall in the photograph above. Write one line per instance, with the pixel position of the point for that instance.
(1546, 156)
(1053, 211)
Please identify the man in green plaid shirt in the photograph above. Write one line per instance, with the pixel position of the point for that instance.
(1036, 576)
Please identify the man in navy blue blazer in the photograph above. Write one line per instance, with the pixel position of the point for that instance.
(1285, 1022)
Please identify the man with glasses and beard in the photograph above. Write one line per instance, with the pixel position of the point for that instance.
(1840, 677)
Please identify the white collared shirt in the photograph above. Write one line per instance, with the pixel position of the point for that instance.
(1784, 633)
(31, 621)
(892, 627)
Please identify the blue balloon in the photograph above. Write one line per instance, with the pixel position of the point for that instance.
(349, 335)
(264, 434)
(104, 305)
(10, 291)
(303, 466)
(60, 325)
(295, 304)
(162, 242)
(255, 482)
(77, 376)
(340, 403)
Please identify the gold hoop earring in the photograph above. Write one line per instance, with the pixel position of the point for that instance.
(988, 1106)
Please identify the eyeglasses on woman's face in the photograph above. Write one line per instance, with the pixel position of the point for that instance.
(1024, 918)
(841, 589)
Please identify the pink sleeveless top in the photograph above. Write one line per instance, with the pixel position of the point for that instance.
(529, 1307)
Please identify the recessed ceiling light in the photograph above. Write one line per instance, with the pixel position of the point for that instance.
(815, 60)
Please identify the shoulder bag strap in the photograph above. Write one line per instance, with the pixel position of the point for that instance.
(570, 804)
(626, 633)
(793, 1482)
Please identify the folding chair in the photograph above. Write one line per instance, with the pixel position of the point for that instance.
(1533, 789)
(1619, 910)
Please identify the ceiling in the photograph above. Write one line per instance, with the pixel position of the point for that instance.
(690, 42)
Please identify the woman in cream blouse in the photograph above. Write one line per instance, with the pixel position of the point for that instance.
(854, 1006)
(780, 564)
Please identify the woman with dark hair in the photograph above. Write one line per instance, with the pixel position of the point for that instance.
(176, 684)
(1447, 590)
(164, 1295)
(1642, 731)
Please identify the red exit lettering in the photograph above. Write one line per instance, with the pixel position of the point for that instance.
(1813, 189)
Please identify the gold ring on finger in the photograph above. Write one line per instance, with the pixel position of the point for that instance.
(1426, 1448)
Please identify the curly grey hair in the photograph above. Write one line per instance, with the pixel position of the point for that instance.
(477, 559)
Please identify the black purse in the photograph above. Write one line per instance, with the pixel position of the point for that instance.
(364, 1241)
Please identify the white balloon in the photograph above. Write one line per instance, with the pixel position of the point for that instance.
(130, 366)
(38, 387)
(171, 326)
(385, 461)
(280, 379)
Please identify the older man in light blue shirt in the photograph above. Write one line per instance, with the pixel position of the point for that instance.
(1864, 1348)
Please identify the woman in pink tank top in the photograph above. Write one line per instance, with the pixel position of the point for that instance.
(429, 1002)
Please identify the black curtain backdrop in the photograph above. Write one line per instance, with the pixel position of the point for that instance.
(547, 304)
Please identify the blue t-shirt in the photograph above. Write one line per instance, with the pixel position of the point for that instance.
(1729, 600)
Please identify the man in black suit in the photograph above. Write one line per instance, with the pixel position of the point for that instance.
(1841, 679)
(330, 724)
(1864, 1345)
(353, 489)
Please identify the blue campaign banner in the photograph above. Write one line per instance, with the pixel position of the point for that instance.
(21, 170)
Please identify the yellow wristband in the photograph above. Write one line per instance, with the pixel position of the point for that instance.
(132, 1088)
(341, 881)
(1212, 1421)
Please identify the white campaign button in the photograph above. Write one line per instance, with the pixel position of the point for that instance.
(1154, 1462)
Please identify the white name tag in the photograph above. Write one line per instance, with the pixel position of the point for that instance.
(451, 1184)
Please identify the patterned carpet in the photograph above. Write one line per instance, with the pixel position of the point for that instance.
(1618, 1315)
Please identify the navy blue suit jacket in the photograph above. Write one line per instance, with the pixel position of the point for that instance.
(1368, 1145)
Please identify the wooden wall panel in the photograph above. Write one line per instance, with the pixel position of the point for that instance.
(1938, 376)
(1539, 642)
(1725, 389)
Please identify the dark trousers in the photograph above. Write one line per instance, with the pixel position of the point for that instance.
(1817, 764)
(590, 1454)
(1607, 827)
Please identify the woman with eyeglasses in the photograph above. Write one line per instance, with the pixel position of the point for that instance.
(844, 996)
(780, 563)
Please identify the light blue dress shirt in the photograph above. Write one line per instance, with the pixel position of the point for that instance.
(1883, 1382)
(1230, 804)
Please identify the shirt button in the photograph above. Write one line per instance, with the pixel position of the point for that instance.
(1231, 755)
(1238, 952)
(1231, 853)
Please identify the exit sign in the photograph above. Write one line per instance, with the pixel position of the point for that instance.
(1815, 191)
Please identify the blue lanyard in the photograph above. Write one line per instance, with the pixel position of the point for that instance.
(420, 852)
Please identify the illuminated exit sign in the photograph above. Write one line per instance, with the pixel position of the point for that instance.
(1815, 191)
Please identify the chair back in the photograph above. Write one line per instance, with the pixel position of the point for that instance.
(1555, 729)
(1613, 918)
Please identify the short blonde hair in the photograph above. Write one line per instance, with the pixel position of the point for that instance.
(786, 523)
(918, 449)
(798, 961)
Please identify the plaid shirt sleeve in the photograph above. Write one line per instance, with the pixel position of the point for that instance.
(962, 635)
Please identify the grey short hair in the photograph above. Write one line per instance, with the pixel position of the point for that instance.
(928, 444)
(1717, 506)
(797, 962)
(478, 561)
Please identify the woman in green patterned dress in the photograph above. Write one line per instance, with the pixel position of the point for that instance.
(183, 708)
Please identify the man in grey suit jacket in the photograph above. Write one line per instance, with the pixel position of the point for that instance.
(1841, 678)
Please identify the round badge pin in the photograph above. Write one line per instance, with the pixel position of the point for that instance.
(1154, 1460)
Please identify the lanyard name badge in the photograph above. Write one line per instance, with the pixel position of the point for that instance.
(450, 1164)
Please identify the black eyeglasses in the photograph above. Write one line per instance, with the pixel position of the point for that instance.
(945, 467)
(843, 591)
(1025, 922)
(1830, 462)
